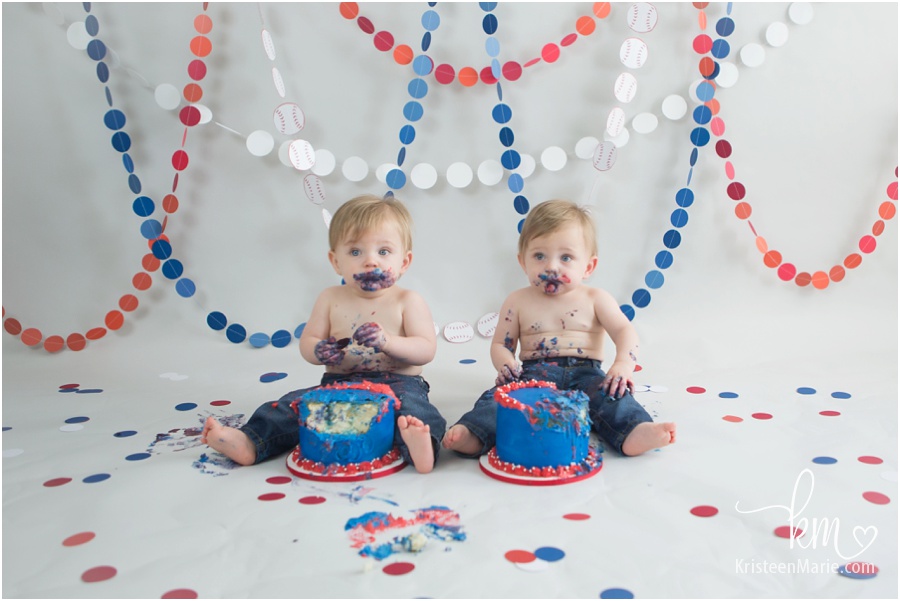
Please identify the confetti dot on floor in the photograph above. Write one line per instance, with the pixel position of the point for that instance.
(8, 453)
(180, 593)
(785, 532)
(549, 553)
(840, 395)
(279, 480)
(125, 433)
(728, 395)
(96, 478)
(138, 456)
(398, 568)
(704, 511)
(57, 482)
(312, 500)
(5, 428)
(99, 574)
(272, 376)
(870, 460)
(696, 389)
(616, 593)
(806, 390)
(69, 386)
(577, 516)
(858, 570)
(761, 415)
(876, 497)
(829, 413)
(467, 361)
(79, 539)
(520, 556)
(271, 496)
(77, 420)
(221, 403)
(185, 406)
(733, 418)
(824, 460)
(89, 391)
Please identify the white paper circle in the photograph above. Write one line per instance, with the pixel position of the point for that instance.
(423, 176)
(459, 175)
(268, 44)
(674, 107)
(437, 329)
(644, 123)
(458, 331)
(381, 172)
(728, 74)
(526, 167)
(284, 153)
(553, 158)
(615, 122)
(355, 169)
(621, 140)
(753, 55)
(260, 143)
(625, 87)
(326, 217)
(777, 34)
(490, 172)
(641, 388)
(642, 17)
(800, 13)
(205, 113)
(77, 35)
(314, 189)
(167, 96)
(605, 156)
(288, 118)
(487, 325)
(633, 53)
(302, 154)
(278, 81)
(585, 147)
(325, 162)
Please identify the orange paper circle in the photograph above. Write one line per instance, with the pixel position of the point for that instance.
(820, 280)
(852, 261)
(403, 54)
(878, 228)
(837, 273)
(349, 10)
(761, 244)
(202, 24)
(95, 333)
(468, 76)
(803, 279)
(193, 92)
(32, 337)
(141, 281)
(743, 210)
(201, 46)
(585, 25)
(128, 303)
(601, 9)
(54, 344)
(772, 258)
(887, 210)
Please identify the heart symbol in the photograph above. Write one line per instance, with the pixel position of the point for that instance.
(864, 531)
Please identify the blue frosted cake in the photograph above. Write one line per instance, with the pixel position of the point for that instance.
(346, 428)
(542, 431)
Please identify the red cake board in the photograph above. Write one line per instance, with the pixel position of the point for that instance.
(497, 474)
(293, 465)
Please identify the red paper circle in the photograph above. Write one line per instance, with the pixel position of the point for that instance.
(704, 511)
(398, 568)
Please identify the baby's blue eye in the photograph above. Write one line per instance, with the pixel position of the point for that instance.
(566, 258)
(384, 252)
(354, 252)
(539, 256)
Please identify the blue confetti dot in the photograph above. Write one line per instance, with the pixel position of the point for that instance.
(96, 478)
(77, 420)
(430, 20)
(705, 91)
(725, 26)
(501, 113)
(516, 183)
(125, 433)
(510, 159)
(664, 259)
(185, 406)
(422, 65)
(672, 239)
(417, 88)
(128, 162)
(492, 46)
(654, 279)
(616, 593)
(824, 460)
(91, 25)
(69, 390)
(720, 49)
(151, 229)
(840, 395)
(806, 390)
(679, 218)
(88, 390)
(728, 395)
(5, 428)
(507, 137)
(640, 298)
(426, 41)
(143, 206)
(699, 136)
(549, 553)
(137, 456)
(702, 114)
(467, 361)
(489, 24)
(103, 72)
(134, 183)
(396, 179)
(272, 376)
(628, 310)
(216, 320)
(114, 119)
(96, 49)
(413, 110)
(520, 203)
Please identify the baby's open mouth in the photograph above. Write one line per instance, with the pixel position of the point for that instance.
(374, 280)
(552, 281)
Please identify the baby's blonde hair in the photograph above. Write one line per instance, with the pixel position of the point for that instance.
(366, 212)
(552, 215)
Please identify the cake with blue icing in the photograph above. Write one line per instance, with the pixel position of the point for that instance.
(542, 431)
(346, 428)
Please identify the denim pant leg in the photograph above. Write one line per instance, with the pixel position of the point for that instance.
(613, 419)
(413, 394)
(274, 427)
(481, 421)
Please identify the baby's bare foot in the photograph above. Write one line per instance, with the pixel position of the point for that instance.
(460, 439)
(648, 436)
(417, 436)
(231, 442)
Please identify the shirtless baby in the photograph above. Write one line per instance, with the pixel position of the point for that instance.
(367, 329)
(559, 323)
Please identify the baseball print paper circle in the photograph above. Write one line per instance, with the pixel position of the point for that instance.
(355, 169)
(278, 81)
(585, 147)
(615, 121)
(777, 34)
(633, 53)
(605, 156)
(268, 44)
(302, 155)
(800, 13)
(753, 55)
(260, 143)
(490, 172)
(167, 96)
(728, 75)
(487, 325)
(642, 17)
(674, 107)
(325, 162)
(644, 123)
(458, 331)
(288, 118)
(423, 176)
(625, 87)
(553, 158)
(314, 189)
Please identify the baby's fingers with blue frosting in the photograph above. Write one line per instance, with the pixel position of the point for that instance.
(371, 335)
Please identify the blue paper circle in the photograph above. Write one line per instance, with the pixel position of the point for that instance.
(520, 203)
(78, 420)
(413, 111)
(96, 49)
(96, 478)
(125, 433)
(840, 395)
(172, 269)
(121, 141)
(185, 288)
(143, 206)
(654, 279)
(273, 376)
(185, 406)
(702, 114)
(487, 6)
(492, 46)
(501, 113)
(824, 460)
(507, 137)
(720, 49)
(510, 159)
(298, 332)
(216, 320)
(489, 24)
(430, 20)
(114, 119)
(728, 395)
(401, 156)
(516, 183)
(664, 259)
(259, 340)
(128, 163)
(281, 339)
(407, 134)
(694, 155)
(705, 91)
(628, 310)
(417, 88)
(549, 553)
(672, 239)
(426, 41)
(725, 27)
(616, 593)
(806, 390)
(396, 179)
(134, 183)
(640, 298)
(422, 65)
(151, 229)
(699, 136)
(519, 225)
(91, 25)
(161, 249)
(102, 72)
(137, 456)
(684, 197)
(679, 218)
(236, 333)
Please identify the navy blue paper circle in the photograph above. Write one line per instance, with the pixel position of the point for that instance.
(281, 339)
(216, 320)
(501, 113)
(725, 27)
(121, 141)
(489, 24)
(507, 137)
(510, 159)
(236, 333)
(96, 49)
(161, 249)
(520, 203)
(114, 119)
(720, 49)
(172, 269)
(664, 259)
(143, 206)
(671, 239)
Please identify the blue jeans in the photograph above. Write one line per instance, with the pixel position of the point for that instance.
(611, 418)
(274, 427)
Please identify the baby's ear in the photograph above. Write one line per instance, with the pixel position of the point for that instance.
(407, 261)
(590, 267)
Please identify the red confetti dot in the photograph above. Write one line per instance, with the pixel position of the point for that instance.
(696, 389)
(736, 191)
(837, 273)
(520, 556)
(704, 511)
(762, 415)
(180, 160)
(180, 593)
(398, 568)
(803, 279)
(723, 149)
(772, 259)
(312, 500)
(733, 418)
(190, 116)
(279, 480)
(892, 190)
(487, 76)
(150, 262)
(69, 386)
(785, 532)
(577, 516)
(568, 40)
(197, 69)
(366, 25)
(114, 320)
(870, 460)
(852, 261)
(99, 574)
(141, 281)
(57, 482)
(128, 302)
(829, 413)
(271, 496)
(79, 539)
(876, 497)
(220, 403)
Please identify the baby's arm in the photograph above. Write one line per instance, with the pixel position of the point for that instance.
(503, 345)
(624, 336)
(417, 346)
(316, 344)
